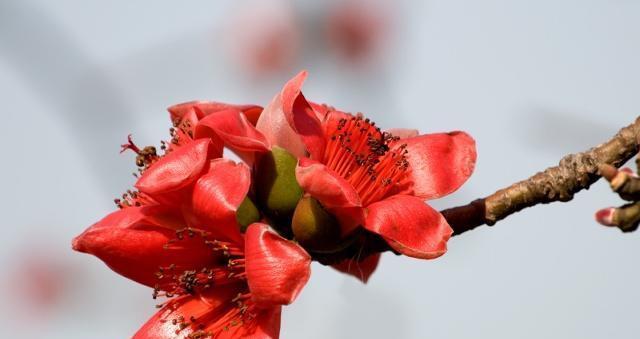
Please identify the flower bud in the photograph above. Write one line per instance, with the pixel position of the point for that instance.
(314, 227)
(277, 190)
(247, 214)
(605, 216)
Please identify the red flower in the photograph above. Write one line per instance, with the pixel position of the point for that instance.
(179, 235)
(263, 36)
(357, 30)
(363, 175)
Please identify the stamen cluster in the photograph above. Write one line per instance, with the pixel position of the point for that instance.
(371, 160)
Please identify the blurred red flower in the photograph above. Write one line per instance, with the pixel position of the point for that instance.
(264, 36)
(357, 30)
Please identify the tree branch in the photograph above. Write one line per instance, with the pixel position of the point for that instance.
(574, 173)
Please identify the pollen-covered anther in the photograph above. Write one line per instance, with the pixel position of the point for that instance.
(227, 249)
(200, 334)
(132, 198)
(182, 128)
(145, 156)
(373, 161)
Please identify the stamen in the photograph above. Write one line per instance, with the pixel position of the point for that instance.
(371, 160)
(240, 311)
(145, 156)
(226, 266)
(132, 198)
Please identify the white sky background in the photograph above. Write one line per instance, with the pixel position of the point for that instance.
(530, 80)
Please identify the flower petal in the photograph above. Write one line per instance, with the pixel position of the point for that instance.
(213, 314)
(277, 269)
(404, 133)
(409, 226)
(361, 269)
(321, 110)
(234, 129)
(274, 126)
(334, 192)
(302, 117)
(131, 241)
(209, 107)
(440, 163)
(176, 170)
(217, 195)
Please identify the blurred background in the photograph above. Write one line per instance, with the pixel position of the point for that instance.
(530, 80)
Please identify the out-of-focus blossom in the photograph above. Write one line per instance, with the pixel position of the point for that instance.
(357, 30)
(362, 175)
(179, 234)
(39, 281)
(263, 36)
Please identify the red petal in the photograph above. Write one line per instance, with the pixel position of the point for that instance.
(362, 269)
(209, 107)
(213, 314)
(235, 130)
(440, 163)
(274, 126)
(217, 195)
(404, 133)
(131, 242)
(409, 226)
(334, 192)
(176, 170)
(302, 117)
(320, 109)
(277, 269)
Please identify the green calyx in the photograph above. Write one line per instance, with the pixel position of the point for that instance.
(277, 190)
(247, 214)
(313, 227)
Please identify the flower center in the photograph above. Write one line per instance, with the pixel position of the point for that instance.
(226, 267)
(374, 162)
(225, 273)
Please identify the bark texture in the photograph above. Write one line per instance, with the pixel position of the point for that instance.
(574, 173)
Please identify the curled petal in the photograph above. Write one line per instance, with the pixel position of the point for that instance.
(234, 129)
(302, 117)
(440, 163)
(214, 314)
(334, 192)
(176, 170)
(277, 269)
(217, 195)
(206, 108)
(361, 269)
(132, 242)
(409, 226)
(325, 185)
(274, 126)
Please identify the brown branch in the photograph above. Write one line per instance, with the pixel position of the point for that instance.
(574, 173)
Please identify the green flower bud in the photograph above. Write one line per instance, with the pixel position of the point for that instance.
(277, 190)
(247, 214)
(313, 227)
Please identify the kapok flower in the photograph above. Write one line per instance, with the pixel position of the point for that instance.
(178, 234)
(357, 30)
(267, 39)
(363, 175)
